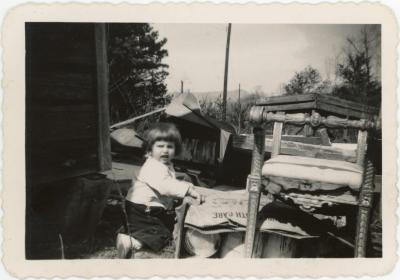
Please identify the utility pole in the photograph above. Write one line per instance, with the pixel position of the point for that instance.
(226, 73)
(181, 86)
(240, 112)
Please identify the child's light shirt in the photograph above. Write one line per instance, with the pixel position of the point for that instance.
(156, 185)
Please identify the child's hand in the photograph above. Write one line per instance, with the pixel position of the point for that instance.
(194, 194)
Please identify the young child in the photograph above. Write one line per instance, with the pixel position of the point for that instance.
(150, 200)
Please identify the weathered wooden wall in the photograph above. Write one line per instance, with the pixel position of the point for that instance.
(64, 92)
(67, 133)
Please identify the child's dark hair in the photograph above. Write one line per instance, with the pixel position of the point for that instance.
(162, 131)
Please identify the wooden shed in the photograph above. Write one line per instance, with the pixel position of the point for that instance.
(67, 128)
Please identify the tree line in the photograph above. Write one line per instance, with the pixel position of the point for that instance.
(357, 78)
(357, 71)
(137, 75)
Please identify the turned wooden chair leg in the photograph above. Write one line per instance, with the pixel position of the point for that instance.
(254, 189)
(252, 213)
(365, 204)
(180, 213)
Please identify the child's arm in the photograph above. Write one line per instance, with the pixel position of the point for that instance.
(194, 194)
(172, 187)
(168, 186)
(158, 178)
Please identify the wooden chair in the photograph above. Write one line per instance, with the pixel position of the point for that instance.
(321, 171)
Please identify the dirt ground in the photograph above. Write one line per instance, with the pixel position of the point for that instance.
(102, 243)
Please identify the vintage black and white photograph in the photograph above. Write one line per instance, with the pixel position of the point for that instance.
(202, 140)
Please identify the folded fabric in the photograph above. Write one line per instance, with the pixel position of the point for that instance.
(226, 211)
(283, 217)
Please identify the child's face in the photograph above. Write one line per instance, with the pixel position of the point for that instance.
(163, 151)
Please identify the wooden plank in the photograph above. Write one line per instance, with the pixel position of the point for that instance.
(64, 78)
(290, 107)
(334, 109)
(300, 138)
(53, 58)
(243, 142)
(336, 101)
(325, 102)
(282, 99)
(104, 146)
(63, 159)
(277, 137)
(63, 86)
(352, 113)
(278, 246)
(64, 124)
(132, 120)
(54, 153)
(258, 245)
(59, 175)
(60, 94)
(44, 108)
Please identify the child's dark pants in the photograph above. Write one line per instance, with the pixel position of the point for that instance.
(152, 226)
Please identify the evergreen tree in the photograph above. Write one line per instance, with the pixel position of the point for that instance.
(137, 74)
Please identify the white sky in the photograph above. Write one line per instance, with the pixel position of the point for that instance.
(260, 55)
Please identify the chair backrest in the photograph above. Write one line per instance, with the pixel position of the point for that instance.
(260, 117)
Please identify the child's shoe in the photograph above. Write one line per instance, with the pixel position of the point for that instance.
(125, 244)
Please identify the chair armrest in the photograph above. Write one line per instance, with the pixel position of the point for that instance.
(259, 116)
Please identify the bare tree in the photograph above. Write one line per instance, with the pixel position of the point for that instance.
(359, 69)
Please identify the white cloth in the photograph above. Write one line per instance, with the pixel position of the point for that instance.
(223, 143)
(156, 185)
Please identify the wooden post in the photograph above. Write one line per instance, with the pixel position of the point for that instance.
(361, 146)
(346, 132)
(104, 146)
(367, 190)
(240, 112)
(308, 131)
(364, 209)
(226, 73)
(254, 189)
(323, 133)
(276, 137)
